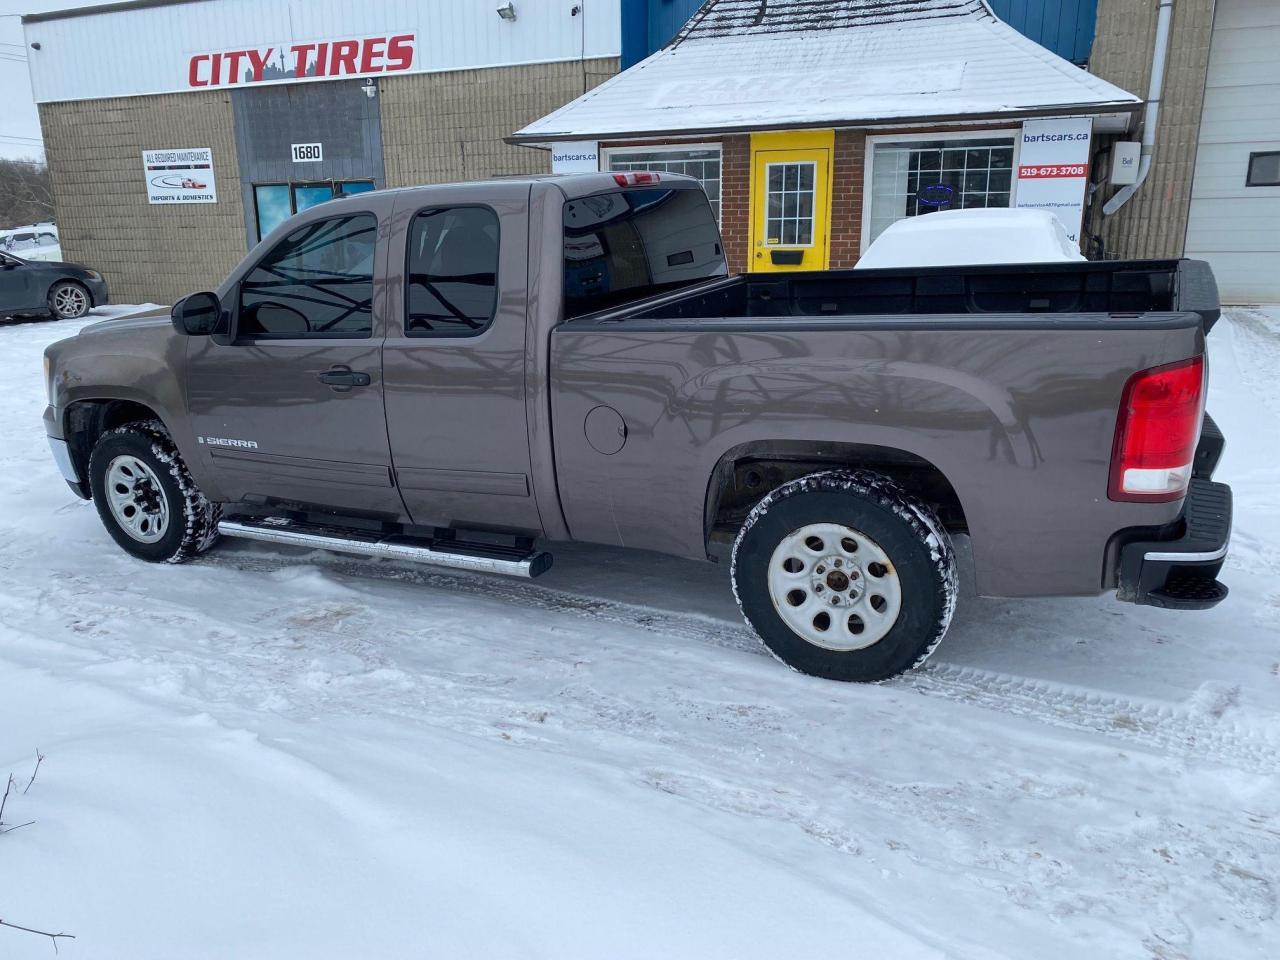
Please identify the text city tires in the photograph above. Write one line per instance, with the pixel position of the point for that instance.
(69, 300)
(845, 576)
(146, 498)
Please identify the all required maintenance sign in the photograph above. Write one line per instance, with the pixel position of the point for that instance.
(180, 176)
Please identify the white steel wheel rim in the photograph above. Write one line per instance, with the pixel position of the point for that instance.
(69, 301)
(137, 500)
(834, 587)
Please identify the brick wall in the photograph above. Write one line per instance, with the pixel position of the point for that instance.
(147, 253)
(735, 201)
(440, 127)
(1154, 222)
(846, 198)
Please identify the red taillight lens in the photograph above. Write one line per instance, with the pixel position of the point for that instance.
(631, 179)
(1157, 432)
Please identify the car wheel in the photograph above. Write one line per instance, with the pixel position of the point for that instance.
(146, 497)
(844, 575)
(68, 300)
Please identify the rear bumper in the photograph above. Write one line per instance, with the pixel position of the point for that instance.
(1180, 572)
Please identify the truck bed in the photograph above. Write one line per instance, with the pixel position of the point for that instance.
(1116, 287)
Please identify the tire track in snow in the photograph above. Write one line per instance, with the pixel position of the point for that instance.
(1163, 727)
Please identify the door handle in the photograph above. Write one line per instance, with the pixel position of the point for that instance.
(344, 378)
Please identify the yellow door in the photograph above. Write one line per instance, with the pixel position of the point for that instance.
(791, 200)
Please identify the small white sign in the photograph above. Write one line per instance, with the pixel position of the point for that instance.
(182, 175)
(575, 156)
(1053, 168)
(1125, 157)
(307, 152)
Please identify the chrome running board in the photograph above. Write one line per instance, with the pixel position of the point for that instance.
(458, 555)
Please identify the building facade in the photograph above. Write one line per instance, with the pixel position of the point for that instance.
(170, 163)
(815, 124)
(1213, 190)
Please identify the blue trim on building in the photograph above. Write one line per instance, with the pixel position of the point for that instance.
(1063, 26)
(648, 25)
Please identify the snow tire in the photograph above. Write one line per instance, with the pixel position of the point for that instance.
(907, 530)
(193, 520)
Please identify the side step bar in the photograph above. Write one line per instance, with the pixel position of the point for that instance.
(460, 555)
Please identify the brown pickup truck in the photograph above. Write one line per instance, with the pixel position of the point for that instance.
(452, 374)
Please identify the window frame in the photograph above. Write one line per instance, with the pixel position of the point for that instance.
(782, 218)
(239, 338)
(607, 153)
(408, 254)
(1248, 171)
(868, 161)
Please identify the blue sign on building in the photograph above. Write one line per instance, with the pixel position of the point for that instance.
(1063, 26)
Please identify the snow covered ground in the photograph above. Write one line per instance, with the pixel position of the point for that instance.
(271, 754)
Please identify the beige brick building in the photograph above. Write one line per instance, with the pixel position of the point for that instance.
(384, 102)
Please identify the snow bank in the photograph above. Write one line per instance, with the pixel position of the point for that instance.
(276, 754)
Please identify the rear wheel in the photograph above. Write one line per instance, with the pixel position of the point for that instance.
(845, 576)
(69, 300)
(146, 498)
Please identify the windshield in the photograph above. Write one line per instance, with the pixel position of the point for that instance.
(631, 244)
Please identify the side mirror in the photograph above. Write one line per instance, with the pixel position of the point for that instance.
(196, 315)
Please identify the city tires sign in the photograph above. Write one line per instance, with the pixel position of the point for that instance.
(180, 175)
(1053, 168)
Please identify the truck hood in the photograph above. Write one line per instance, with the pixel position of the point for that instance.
(155, 317)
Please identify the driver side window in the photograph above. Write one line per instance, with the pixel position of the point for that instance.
(315, 283)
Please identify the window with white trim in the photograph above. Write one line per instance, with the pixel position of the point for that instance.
(912, 177)
(701, 163)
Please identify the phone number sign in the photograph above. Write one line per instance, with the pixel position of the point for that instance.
(1053, 168)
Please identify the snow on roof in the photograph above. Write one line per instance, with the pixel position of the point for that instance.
(770, 64)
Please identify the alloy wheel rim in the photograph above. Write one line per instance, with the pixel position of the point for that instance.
(834, 587)
(137, 500)
(69, 301)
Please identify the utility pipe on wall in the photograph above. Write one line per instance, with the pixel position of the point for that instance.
(1150, 116)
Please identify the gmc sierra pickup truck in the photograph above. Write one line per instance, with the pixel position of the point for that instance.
(454, 374)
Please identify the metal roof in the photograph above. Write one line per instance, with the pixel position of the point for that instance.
(742, 65)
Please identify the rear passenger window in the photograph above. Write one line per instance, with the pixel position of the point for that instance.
(316, 282)
(452, 283)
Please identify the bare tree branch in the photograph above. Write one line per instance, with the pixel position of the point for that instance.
(39, 760)
(41, 933)
(5, 799)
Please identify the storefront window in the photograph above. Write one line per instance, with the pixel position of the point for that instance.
(701, 163)
(789, 220)
(911, 177)
(277, 202)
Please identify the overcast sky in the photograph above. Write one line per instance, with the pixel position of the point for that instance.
(19, 122)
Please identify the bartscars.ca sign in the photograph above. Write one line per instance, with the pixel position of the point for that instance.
(1053, 168)
(362, 57)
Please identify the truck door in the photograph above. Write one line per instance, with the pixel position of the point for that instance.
(290, 409)
(454, 359)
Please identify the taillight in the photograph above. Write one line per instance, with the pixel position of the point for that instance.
(631, 179)
(1157, 431)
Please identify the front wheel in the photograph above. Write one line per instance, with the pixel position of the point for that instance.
(846, 576)
(146, 498)
(69, 300)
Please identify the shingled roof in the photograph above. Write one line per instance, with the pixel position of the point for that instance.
(741, 65)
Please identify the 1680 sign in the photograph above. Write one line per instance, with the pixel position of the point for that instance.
(308, 152)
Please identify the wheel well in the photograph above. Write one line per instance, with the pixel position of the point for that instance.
(746, 474)
(87, 420)
(78, 283)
